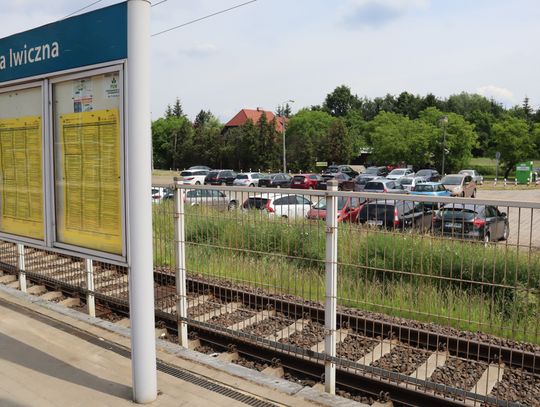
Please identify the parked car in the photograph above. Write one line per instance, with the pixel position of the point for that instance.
(282, 205)
(410, 183)
(305, 181)
(384, 185)
(200, 167)
(280, 179)
(345, 169)
(431, 189)
(348, 209)
(482, 222)
(395, 214)
(475, 176)
(160, 194)
(193, 177)
(460, 185)
(211, 198)
(345, 183)
(376, 172)
(397, 173)
(247, 179)
(220, 177)
(429, 175)
(361, 181)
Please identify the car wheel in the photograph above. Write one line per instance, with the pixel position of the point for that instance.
(463, 194)
(506, 232)
(310, 187)
(232, 205)
(197, 183)
(473, 194)
(251, 185)
(486, 239)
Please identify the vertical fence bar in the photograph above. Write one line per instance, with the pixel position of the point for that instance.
(21, 266)
(180, 269)
(90, 298)
(330, 302)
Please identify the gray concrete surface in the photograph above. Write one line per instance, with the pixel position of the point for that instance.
(43, 366)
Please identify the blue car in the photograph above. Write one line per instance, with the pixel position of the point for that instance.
(430, 189)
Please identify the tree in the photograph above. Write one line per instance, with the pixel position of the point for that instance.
(337, 146)
(172, 142)
(408, 104)
(283, 110)
(357, 129)
(396, 139)
(511, 137)
(177, 109)
(340, 101)
(459, 141)
(306, 130)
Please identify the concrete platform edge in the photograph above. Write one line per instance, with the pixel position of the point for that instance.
(280, 385)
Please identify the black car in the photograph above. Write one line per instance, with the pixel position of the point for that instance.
(345, 169)
(220, 177)
(279, 179)
(345, 183)
(429, 175)
(465, 221)
(392, 214)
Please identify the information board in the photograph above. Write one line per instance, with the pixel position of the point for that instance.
(21, 176)
(90, 145)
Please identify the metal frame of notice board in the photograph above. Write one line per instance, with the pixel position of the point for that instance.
(46, 81)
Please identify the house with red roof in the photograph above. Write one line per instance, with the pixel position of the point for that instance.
(254, 114)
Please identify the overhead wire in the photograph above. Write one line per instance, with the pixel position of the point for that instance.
(81, 9)
(203, 18)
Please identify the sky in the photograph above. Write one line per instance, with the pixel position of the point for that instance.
(271, 51)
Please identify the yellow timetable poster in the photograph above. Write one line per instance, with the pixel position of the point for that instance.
(91, 213)
(21, 176)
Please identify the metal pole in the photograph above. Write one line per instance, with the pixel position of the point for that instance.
(284, 147)
(139, 205)
(90, 298)
(443, 147)
(21, 266)
(180, 240)
(330, 299)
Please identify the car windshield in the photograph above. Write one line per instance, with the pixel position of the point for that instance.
(397, 172)
(242, 176)
(406, 181)
(255, 203)
(424, 188)
(298, 178)
(212, 174)
(467, 172)
(362, 180)
(448, 180)
(424, 173)
(372, 170)
(321, 205)
(186, 173)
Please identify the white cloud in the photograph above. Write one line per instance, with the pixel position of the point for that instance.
(496, 92)
(376, 13)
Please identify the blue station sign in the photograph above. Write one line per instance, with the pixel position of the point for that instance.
(92, 38)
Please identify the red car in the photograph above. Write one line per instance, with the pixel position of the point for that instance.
(348, 209)
(305, 181)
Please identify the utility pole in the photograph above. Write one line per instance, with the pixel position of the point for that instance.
(444, 121)
(283, 117)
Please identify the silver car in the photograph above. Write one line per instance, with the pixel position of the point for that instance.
(409, 183)
(247, 179)
(397, 173)
(210, 197)
(385, 185)
(475, 176)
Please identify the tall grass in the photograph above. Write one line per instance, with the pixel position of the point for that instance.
(456, 283)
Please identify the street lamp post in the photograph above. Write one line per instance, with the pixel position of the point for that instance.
(284, 128)
(444, 121)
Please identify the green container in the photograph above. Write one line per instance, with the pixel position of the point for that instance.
(524, 172)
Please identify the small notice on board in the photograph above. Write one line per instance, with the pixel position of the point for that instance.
(21, 176)
(92, 215)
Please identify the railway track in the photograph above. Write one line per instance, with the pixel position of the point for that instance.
(411, 363)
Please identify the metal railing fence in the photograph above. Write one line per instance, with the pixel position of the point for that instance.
(395, 287)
